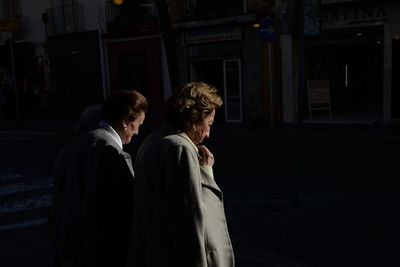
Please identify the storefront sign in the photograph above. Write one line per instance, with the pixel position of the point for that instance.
(352, 16)
(318, 96)
(318, 91)
(214, 34)
(9, 24)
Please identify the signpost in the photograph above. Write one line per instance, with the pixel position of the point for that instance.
(267, 32)
(318, 96)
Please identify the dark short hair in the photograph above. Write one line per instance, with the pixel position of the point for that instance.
(191, 103)
(124, 105)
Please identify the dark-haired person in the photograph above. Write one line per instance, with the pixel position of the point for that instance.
(179, 218)
(94, 179)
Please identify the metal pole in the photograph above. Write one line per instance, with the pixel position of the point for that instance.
(14, 83)
(300, 98)
(301, 65)
(271, 93)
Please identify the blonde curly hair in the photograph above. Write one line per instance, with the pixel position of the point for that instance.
(192, 103)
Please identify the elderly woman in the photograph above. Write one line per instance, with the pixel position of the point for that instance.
(179, 218)
(94, 187)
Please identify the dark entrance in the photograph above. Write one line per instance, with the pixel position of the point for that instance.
(136, 64)
(352, 61)
(396, 79)
(76, 72)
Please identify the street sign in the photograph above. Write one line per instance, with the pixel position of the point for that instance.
(267, 31)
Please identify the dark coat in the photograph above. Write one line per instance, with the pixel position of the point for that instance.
(92, 201)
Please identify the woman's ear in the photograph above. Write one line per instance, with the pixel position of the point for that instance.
(124, 125)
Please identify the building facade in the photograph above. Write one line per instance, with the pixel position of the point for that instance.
(91, 48)
(23, 65)
(177, 41)
(68, 54)
(352, 50)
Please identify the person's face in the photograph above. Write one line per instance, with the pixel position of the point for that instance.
(132, 128)
(203, 128)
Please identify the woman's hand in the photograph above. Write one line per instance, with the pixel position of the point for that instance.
(207, 158)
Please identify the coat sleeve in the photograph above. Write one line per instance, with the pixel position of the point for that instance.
(191, 194)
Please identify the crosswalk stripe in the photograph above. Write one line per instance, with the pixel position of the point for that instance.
(23, 201)
(23, 187)
(9, 176)
(23, 224)
(26, 204)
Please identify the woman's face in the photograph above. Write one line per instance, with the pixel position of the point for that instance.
(132, 128)
(202, 128)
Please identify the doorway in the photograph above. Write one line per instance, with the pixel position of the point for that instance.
(395, 79)
(225, 75)
(136, 64)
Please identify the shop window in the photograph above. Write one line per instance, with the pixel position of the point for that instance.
(225, 75)
(10, 8)
(213, 8)
(57, 3)
(130, 12)
(232, 90)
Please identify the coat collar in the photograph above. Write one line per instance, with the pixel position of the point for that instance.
(106, 135)
(166, 127)
(113, 134)
(184, 135)
(207, 176)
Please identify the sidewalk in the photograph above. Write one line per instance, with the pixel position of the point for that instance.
(330, 199)
(315, 232)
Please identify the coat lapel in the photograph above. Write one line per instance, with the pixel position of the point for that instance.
(207, 176)
(207, 179)
(128, 162)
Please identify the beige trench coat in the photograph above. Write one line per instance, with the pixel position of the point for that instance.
(179, 218)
